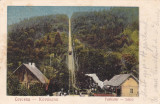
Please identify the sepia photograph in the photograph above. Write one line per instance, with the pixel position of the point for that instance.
(85, 51)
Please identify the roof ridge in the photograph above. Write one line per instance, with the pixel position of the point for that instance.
(120, 78)
(35, 71)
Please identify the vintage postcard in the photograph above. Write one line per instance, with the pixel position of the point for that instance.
(79, 52)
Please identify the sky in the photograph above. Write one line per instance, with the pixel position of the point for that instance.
(19, 13)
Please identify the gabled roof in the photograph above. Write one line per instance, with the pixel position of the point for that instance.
(96, 79)
(38, 74)
(105, 82)
(117, 80)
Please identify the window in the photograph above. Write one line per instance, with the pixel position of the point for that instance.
(131, 90)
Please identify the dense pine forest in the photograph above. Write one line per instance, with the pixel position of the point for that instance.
(42, 40)
(106, 42)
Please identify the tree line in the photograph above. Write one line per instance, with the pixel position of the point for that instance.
(44, 41)
(106, 42)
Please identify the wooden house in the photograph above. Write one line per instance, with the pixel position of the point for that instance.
(29, 74)
(123, 85)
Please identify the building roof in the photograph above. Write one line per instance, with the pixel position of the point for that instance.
(96, 79)
(117, 80)
(105, 82)
(42, 78)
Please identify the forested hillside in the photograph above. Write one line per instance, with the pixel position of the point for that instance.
(42, 40)
(106, 42)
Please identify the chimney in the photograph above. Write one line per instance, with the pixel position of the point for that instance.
(29, 63)
(33, 64)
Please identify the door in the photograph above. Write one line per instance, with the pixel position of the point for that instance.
(119, 92)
